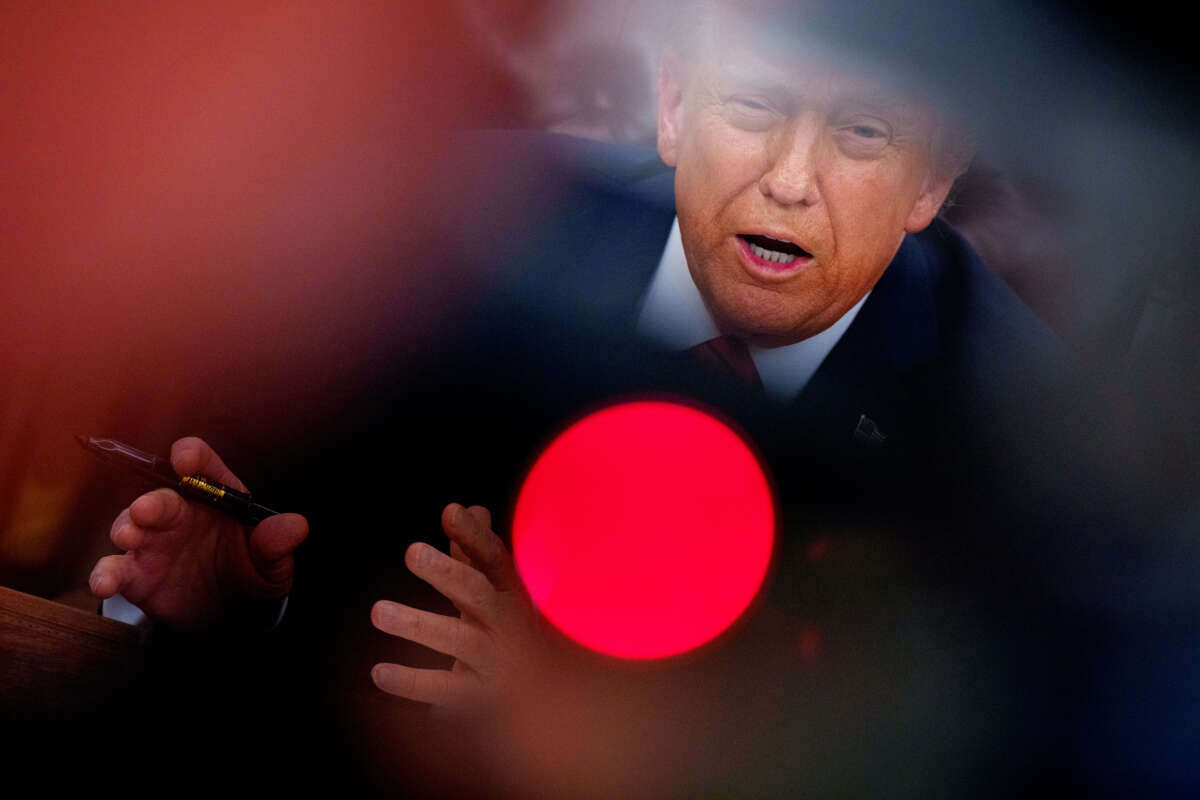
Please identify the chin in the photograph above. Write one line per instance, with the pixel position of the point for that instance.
(758, 314)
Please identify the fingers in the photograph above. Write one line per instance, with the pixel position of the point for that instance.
(160, 509)
(109, 576)
(450, 635)
(192, 455)
(471, 529)
(271, 545)
(124, 534)
(481, 516)
(278, 535)
(478, 577)
(437, 686)
(466, 587)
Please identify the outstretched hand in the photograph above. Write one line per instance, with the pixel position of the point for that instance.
(188, 565)
(497, 642)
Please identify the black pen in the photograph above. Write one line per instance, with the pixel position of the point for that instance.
(236, 504)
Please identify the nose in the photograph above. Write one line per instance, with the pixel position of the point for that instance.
(791, 173)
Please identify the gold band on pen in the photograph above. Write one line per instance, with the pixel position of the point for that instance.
(197, 482)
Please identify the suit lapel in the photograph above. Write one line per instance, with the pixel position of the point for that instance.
(868, 392)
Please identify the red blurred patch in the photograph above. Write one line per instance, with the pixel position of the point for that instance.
(809, 643)
(818, 548)
(644, 530)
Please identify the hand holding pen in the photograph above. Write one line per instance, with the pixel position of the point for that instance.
(190, 565)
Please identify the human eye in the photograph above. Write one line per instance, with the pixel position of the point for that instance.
(750, 111)
(867, 131)
(864, 135)
(752, 104)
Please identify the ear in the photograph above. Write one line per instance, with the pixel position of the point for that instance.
(928, 203)
(670, 107)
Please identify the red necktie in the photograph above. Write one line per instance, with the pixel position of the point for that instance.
(729, 354)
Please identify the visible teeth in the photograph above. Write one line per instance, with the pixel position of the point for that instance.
(771, 255)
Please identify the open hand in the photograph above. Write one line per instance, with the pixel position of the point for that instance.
(497, 642)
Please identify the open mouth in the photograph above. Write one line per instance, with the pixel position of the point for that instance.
(773, 250)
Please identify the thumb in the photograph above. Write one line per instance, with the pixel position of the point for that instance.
(271, 545)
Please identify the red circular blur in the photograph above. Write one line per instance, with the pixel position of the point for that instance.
(644, 530)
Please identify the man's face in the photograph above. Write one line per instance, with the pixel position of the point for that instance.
(794, 186)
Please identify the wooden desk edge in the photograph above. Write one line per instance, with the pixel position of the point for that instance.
(40, 612)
